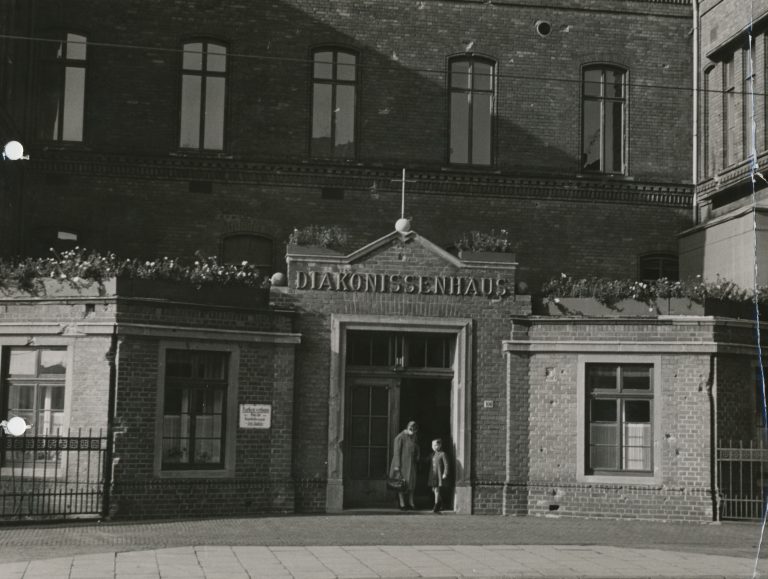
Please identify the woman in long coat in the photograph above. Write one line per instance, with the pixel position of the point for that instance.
(404, 458)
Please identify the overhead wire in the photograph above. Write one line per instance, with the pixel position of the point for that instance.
(367, 66)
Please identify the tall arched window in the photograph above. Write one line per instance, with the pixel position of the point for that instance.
(203, 95)
(61, 108)
(603, 117)
(334, 87)
(255, 249)
(472, 87)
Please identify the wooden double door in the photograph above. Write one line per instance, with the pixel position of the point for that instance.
(377, 409)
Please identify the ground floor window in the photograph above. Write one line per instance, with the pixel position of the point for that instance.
(194, 409)
(34, 385)
(619, 419)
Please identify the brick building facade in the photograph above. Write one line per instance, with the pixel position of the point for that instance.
(161, 129)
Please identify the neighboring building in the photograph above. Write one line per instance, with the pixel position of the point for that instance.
(731, 211)
(156, 129)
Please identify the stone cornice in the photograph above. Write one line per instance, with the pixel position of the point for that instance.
(738, 174)
(362, 177)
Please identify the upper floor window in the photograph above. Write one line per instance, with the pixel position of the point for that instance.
(654, 266)
(255, 249)
(62, 89)
(334, 88)
(749, 98)
(203, 94)
(731, 127)
(472, 87)
(604, 99)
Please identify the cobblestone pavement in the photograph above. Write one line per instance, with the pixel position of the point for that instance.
(380, 545)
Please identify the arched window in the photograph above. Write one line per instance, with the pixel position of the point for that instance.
(472, 87)
(255, 249)
(603, 117)
(61, 108)
(653, 266)
(203, 95)
(334, 87)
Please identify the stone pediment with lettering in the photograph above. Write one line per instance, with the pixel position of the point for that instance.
(401, 263)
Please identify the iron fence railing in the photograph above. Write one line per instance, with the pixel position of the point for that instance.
(52, 477)
(742, 479)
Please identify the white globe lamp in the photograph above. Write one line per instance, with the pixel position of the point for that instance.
(13, 151)
(403, 225)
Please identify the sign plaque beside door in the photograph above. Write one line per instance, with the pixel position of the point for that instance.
(255, 415)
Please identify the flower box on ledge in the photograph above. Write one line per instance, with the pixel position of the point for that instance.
(590, 307)
(209, 294)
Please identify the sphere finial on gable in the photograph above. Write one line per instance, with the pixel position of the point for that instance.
(403, 225)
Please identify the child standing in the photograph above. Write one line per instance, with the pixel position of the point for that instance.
(438, 472)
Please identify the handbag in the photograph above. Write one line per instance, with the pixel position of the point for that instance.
(396, 484)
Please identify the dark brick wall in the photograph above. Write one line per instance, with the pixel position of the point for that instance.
(127, 187)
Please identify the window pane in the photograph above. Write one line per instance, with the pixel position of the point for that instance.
(323, 65)
(380, 350)
(637, 449)
(217, 58)
(379, 434)
(214, 113)
(601, 376)
(591, 136)
(359, 463)
(321, 120)
(190, 112)
(358, 431)
(178, 363)
(74, 98)
(604, 457)
(175, 450)
(416, 352)
(53, 361)
(360, 401)
(481, 129)
(49, 102)
(193, 56)
(379, 401)
(76, 47)
(614, 135)
(254, 249)
(593, 82)
(482, 76)
(358, 349)
(23, 362)
(459, 127)
(636, 376)
(345, 122)
(603, 411)
(460, 74)
(614, 83)
(378, 462)
(345, 67)
(637, 411)
(207, 451)
(436, 352)
(21, 398)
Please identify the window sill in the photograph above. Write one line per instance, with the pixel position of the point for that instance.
(653, 479)
(199, 473)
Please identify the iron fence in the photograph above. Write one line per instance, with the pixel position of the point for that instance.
(52, 477)
(742, 479)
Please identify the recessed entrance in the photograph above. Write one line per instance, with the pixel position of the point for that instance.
(392, 378)
(386, 371)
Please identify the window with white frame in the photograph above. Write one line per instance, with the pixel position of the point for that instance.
(472, 86)
(731, 109)
(619, 421)
(61, 89)
(34, 388)
(203, 95)
(195, 392)
(604, 101)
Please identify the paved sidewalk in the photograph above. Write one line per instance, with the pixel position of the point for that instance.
(329, 562)
(379, 545)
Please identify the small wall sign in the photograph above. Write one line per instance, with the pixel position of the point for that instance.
(487, 403)
(255, 415)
